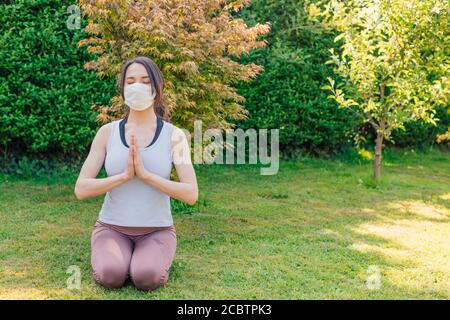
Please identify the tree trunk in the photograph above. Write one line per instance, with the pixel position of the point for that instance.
(377, 160)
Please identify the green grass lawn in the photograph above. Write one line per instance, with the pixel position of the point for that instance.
(315, 230)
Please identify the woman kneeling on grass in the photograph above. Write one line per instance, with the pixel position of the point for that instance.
(134, 234)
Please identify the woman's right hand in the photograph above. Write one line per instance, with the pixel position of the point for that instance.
(129, 170)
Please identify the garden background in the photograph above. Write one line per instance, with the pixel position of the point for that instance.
(321, 228)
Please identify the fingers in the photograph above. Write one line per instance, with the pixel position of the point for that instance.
(131, 158)
(135, 155)
(134, 152)
(131, 153)
(133, 146)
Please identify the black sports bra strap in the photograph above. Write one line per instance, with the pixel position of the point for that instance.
(159, 125)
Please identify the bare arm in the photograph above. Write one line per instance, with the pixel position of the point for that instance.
(187, 189)
(87, 184)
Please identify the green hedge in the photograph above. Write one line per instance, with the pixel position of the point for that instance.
(420, 134)
(45, 95)
(288, 94)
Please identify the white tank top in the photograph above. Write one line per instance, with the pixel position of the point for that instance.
(136, 203)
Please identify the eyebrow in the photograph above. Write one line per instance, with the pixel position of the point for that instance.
(140, 77)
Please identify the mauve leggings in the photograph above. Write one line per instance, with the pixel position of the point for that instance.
(145, 258)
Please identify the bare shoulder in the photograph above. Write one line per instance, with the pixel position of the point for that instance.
(102, 136)
(105, 130)
(178, 134)
(181, 146)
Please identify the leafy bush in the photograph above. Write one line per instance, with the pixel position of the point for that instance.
(420, 134)
(45, 95)
(288, 94)
(193, 44)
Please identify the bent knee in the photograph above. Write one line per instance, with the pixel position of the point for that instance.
(149, 278)
(111, 276)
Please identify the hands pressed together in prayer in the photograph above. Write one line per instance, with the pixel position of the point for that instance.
(135, 166)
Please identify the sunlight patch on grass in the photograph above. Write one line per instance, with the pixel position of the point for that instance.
(400, 255)
(420, 252)
(420, 208)
(30, 293)
(11, 272)
(15, 270)
(445, 196)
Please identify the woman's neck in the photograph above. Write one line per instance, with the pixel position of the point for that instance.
(142, 117)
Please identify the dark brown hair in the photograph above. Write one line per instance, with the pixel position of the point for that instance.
(156, 79)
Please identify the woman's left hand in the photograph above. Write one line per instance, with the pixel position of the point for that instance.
(139, 168)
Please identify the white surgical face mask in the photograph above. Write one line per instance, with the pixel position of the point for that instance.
(139, 96)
